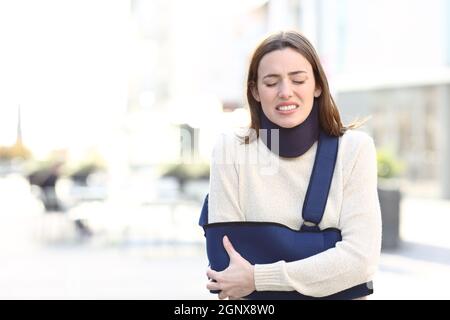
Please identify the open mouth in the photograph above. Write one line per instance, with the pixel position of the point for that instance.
(288, 107)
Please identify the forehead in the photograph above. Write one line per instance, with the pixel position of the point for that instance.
(283, 61)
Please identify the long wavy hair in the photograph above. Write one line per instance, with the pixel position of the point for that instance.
(329, 118)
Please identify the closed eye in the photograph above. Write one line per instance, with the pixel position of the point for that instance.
(273, 84)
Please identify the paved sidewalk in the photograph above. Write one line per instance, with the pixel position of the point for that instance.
(420, 267)
(66, 267)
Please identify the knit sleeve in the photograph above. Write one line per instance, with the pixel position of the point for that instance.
(223, 203)
(355, 259)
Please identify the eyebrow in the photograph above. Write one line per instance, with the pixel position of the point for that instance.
(290, 73)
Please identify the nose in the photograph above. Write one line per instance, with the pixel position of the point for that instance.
(285, 90)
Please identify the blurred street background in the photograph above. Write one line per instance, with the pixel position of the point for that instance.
(109, 110)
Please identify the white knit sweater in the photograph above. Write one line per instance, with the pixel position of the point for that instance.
(251, 183)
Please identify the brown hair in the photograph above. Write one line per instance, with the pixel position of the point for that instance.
(330, 120)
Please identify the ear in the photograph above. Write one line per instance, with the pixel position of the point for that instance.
(317, 92)
(255, 93)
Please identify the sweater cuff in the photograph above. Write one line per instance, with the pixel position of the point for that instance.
(270, 277)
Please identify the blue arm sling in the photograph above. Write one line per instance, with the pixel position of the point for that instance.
(268, 242)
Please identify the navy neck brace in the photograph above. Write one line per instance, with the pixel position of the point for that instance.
(293, 142)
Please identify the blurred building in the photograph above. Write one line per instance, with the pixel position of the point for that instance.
(390, 61)
(386, 59)
(13, 155)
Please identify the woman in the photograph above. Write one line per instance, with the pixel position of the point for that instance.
(287, 90)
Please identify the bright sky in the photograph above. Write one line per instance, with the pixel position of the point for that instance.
(65, 63)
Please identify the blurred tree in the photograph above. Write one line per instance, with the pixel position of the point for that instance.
(16, 151)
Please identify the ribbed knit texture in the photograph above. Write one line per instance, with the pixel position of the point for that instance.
(250, 183)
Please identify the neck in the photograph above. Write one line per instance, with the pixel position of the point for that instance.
(291, 142)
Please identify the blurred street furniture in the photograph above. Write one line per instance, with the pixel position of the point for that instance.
(60, 190)
(390, 196)
(85, 183)
(45, 179)
(188, 175)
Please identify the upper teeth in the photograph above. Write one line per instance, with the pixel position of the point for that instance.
(286, 108)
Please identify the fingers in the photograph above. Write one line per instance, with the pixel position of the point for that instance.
(211, 274)
(213, 286)
(228, 247)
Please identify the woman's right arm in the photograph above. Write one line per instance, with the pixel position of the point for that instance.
(223, 203)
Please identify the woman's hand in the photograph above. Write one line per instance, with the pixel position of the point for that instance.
(237, 280)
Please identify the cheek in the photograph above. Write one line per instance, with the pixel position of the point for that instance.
(305, 92)
(267, 94)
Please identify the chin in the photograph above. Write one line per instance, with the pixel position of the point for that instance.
(288, 124)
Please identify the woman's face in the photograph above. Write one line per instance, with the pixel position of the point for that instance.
(285, 87)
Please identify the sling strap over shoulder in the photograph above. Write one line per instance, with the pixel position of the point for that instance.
(320, 181)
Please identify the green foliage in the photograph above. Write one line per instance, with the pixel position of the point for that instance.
(185, 172)
(389, 166)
